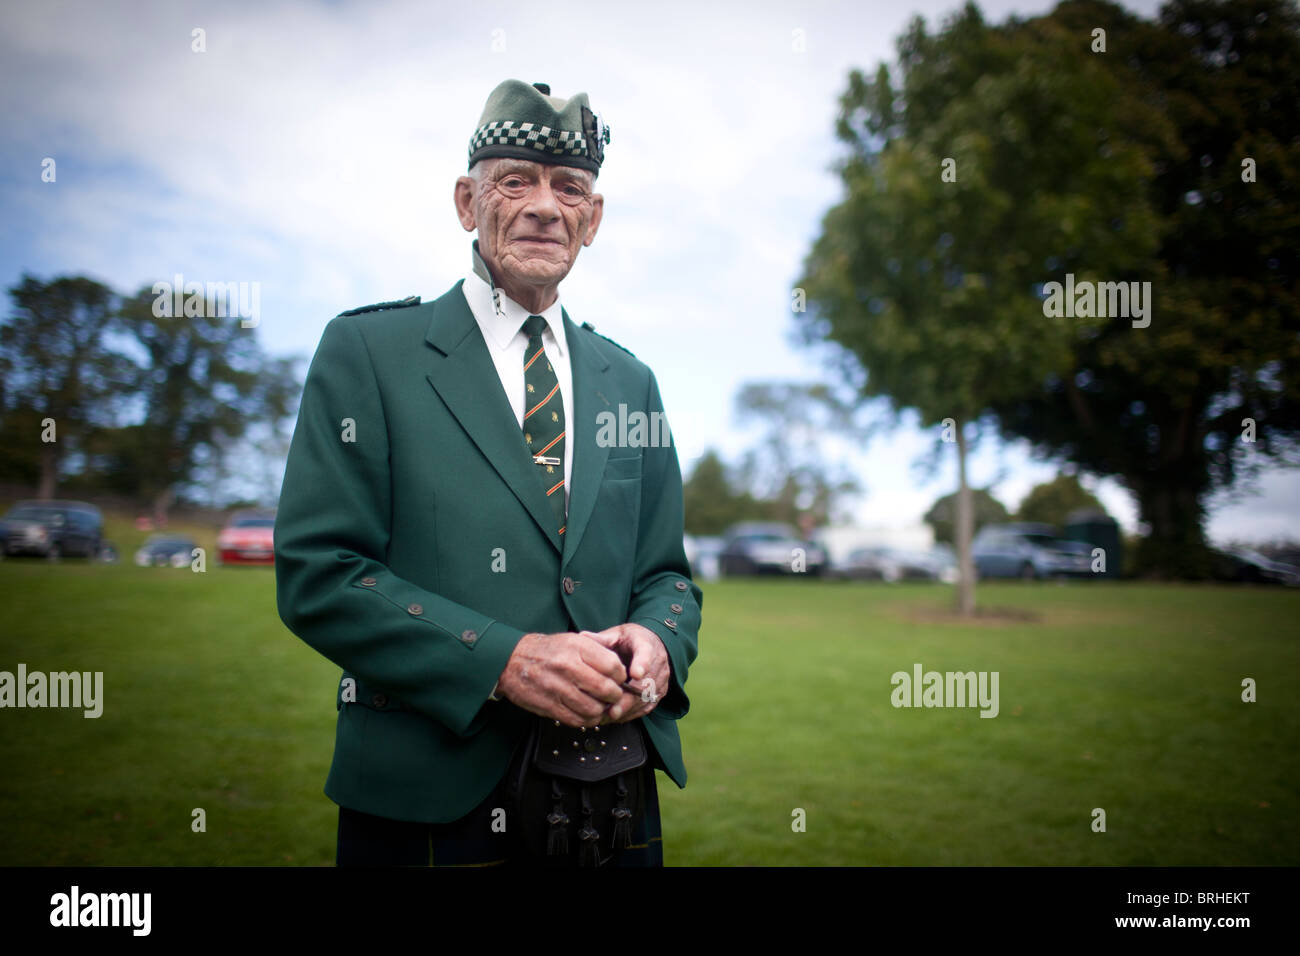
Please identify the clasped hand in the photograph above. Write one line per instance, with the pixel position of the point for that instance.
(583, 679)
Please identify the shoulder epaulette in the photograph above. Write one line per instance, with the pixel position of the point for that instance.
(409, 301)
(592, 329)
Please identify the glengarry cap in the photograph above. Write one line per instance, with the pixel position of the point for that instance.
(524, 121)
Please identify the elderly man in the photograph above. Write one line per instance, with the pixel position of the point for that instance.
(502, 582)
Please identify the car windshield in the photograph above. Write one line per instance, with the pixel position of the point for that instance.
(1042, 540)
(33, 514)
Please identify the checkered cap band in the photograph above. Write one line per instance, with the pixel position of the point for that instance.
(557, 142)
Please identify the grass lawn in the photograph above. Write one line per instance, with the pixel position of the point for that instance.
(1114, 696)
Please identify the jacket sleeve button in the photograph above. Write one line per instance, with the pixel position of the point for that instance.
(368, 582)
(671, 623)
(676, 609)
(681, 585)
(415, 609)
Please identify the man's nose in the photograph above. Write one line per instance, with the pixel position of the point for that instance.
(542, 203)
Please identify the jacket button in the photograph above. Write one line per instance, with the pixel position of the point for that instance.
(676, 609)
(380, 700)
(681, 585)
(414, 609)
(671, 623)
(368, 582)
(468, 637)
(569, 586)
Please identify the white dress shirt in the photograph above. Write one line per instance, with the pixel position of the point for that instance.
(507, 345)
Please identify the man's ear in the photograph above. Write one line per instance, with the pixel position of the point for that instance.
(597, 211)
(464, 199)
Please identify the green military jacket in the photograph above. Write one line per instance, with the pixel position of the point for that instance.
(414, 547)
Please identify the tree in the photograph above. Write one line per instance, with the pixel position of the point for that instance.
(1211, 389)
(713, 500)
(1052, 502)
(789, 465)
(985, 509)
(1000, 146)
(205, 382)
(57, 375)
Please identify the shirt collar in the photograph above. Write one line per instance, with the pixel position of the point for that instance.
(502, 325)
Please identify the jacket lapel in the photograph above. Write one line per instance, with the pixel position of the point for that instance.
(466, 380)
(589, 400)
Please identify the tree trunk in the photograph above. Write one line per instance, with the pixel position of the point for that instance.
(964, 529)
(161, 503)
(49, 471)
(1175, 547)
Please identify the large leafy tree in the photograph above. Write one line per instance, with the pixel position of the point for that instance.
(989, 160)
(205, 381)
(58, 375)
(1170, 409)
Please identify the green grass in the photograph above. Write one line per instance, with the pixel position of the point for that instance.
(1124, 697)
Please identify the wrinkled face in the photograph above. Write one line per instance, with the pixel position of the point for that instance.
(533, 218)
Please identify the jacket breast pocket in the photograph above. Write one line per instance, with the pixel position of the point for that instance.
(618, 500)
(623, 469)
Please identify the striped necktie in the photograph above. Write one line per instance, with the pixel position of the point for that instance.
(544, 417)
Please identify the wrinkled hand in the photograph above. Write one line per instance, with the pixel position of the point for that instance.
(640, 649)
(572, 678)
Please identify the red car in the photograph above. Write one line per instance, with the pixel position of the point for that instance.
(247, 538)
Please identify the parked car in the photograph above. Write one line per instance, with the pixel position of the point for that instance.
(944, 560)
(52, 529)
(1250, 567)
(702, 553)
(868, 564)
(766, 548)
(163, 550)
(896, 564)
(1028, 551)
(248, 538)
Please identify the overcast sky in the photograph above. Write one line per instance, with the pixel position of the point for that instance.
(312, 149)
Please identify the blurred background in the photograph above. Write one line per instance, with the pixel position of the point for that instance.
(833, 231)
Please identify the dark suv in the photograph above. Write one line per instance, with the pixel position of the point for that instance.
(52, 529)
